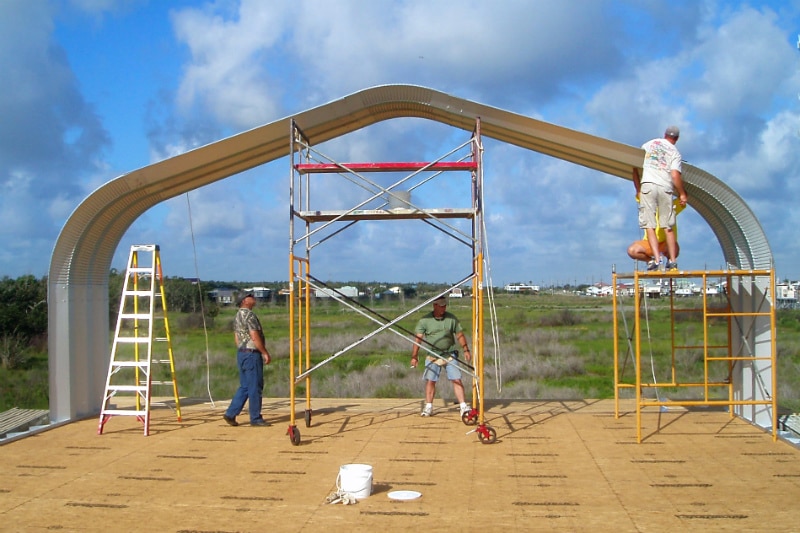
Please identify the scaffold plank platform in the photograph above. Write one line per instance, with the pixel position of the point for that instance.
(390, 166)
(385, 214)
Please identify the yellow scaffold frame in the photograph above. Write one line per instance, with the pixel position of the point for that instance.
(756, 292)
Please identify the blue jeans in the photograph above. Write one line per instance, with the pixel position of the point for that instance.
(251, 385)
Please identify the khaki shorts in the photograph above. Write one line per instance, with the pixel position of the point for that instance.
(654, 199)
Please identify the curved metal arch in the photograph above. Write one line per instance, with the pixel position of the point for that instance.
(79, 267)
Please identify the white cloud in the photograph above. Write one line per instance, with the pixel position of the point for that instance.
(226, 76)
(743, 64)
(726, 74)
(50, 137)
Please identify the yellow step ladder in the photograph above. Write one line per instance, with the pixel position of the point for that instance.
(134, 368)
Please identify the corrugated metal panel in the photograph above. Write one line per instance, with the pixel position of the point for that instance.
(741, 236)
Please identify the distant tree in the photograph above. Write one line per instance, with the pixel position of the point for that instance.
(23, 306)
(183, 296)
(23, 319)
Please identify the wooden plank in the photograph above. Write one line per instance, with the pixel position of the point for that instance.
(15, 420)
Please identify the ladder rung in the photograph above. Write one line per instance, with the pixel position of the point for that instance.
(140, 269)
(161, 339)
(161, 383)
(161, 361)
(126, 388)
(140, 340)
(140, 364)
(135, 316)
(123, 412)
(137, 293)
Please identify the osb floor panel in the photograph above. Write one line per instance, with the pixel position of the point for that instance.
(556, 466)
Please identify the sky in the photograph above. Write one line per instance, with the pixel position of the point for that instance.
(95, 89)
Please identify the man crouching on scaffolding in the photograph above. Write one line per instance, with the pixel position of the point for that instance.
(440, 330)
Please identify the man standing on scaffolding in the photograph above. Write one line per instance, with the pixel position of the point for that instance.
(655, 186)
(440, 330)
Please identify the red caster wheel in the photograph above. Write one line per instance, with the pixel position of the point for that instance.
(470, 418)
(487, 435)
(294, 435)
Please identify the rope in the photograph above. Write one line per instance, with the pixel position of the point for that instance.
(628, 339)
(490, 296)
(202, 307)
(627, 334)
(650, 345)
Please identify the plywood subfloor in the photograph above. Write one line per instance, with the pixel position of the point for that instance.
(556, 466)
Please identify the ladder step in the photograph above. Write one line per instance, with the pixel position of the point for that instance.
(142, 412)
(137, 293)
(129, 340)
(144, 270)
(145, 247)
(140, 316)
(127, 388)
(131, 364)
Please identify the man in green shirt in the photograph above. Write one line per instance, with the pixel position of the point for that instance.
(440, 330)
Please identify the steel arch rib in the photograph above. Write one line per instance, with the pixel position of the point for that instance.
(79, 267)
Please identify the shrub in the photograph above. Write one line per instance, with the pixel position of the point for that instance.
(564, 317)
(13, 351)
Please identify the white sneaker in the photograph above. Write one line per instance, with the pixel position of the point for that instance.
(465, 408)
(427, 411)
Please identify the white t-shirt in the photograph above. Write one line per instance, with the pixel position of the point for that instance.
(660, 159)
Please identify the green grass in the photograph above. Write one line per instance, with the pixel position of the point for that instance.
(551, 346)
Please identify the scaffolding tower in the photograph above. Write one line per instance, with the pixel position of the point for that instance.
(386, 200)
(721, 354)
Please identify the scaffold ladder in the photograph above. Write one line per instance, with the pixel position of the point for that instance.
(136, 365)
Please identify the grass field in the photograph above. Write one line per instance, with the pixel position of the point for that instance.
(550, 347)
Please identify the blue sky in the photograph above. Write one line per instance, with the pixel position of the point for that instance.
(97, 88)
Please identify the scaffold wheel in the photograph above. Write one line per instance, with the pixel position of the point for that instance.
(470, 418)
(487, 434)
(294, 435)
(308, 418)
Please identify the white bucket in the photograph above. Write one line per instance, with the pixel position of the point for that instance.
(356, 480)
(400, 200)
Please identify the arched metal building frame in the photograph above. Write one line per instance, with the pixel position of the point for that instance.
(79, 268)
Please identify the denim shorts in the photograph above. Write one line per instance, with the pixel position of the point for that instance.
(432, 371)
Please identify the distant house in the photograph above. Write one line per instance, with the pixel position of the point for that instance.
(348, 291)
(600, 289)
(456, 293)
(625, 289)
(228, 295)
(521, 287)
(223, 296)
(261, 294)
(786, 294)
